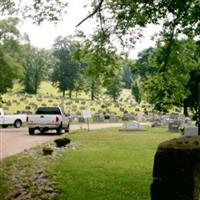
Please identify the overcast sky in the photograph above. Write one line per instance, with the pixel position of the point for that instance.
(44, 35)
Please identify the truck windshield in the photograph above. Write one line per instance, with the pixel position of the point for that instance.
(48, 111)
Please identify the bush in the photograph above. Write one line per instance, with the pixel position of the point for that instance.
(47, 150)
(62, 142)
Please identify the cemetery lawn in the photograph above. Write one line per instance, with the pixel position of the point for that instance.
(108, 164)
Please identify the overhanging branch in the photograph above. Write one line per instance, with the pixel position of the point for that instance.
(92, 14)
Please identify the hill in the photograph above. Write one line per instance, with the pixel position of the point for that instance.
(17, 102)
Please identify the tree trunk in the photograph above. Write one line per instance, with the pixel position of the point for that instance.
(63, 93)
(93, 90)
(70, 94)
(185, 109)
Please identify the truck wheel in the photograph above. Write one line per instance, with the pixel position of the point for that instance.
(4, 125)
(58, 131)
(31, 131)
(17, 123)
(67, 129)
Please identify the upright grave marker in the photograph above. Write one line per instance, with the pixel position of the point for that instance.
(86, 115)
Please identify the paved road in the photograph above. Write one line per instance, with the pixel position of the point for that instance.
(14, 140)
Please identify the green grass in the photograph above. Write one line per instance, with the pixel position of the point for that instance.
(108, 165)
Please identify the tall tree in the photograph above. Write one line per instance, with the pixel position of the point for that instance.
(192, 99)
(10, 59)
(100, 63)
(167, 86)
(36, 64)
(127, 77)
(66, 71)
(115, 87)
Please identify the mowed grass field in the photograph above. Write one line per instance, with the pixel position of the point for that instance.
(108, 164)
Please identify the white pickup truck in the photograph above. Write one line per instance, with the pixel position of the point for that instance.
(11, 120)
(48, 118)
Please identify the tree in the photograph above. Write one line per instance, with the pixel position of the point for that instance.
(136, 91)
(120, 18)
(37, 10)
(142, 65)
(36, 66)
(66, 70)
(115, 87)
(127, 77)
(10, 67)
(9, 71)
(192, 99)
(167, 86)
(100, 63)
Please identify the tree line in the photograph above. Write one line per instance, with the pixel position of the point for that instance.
(166, 75)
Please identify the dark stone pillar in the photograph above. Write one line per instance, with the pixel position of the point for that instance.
(176, 173)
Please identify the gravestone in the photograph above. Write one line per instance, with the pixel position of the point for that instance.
(113, 118)
(176, 172)
(165, 119)
(190, 131)
(132, 126)
(81, 119)
(127, 117)
(140, 116)
(157, 123)
(188, 122)
(98, 117)
(174, 126)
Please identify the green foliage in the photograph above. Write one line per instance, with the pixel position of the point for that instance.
(142, 65)
(165, 73)
(62, 142)
(10, 68)
(66, 71)
(192, 100)
(136, 92)
(37, 10)
(100, 63)
(115, 87)
(47, 150)
(127, 77)
(9, 71)
(129, 14)
(36, 65)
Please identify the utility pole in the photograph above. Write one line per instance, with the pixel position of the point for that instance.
(198, 111)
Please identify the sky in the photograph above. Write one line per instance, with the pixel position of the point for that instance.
(43, 36)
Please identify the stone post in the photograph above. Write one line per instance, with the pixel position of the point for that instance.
(176, 173)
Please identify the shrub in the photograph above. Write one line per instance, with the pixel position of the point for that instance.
(62, 142)
(47, 150)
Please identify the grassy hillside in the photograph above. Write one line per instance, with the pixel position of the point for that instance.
(16, 102)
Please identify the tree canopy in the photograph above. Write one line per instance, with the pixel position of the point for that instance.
(166, 69)
(10, 56)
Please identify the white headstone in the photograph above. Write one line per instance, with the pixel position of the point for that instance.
(87, 113)
(132, 126)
